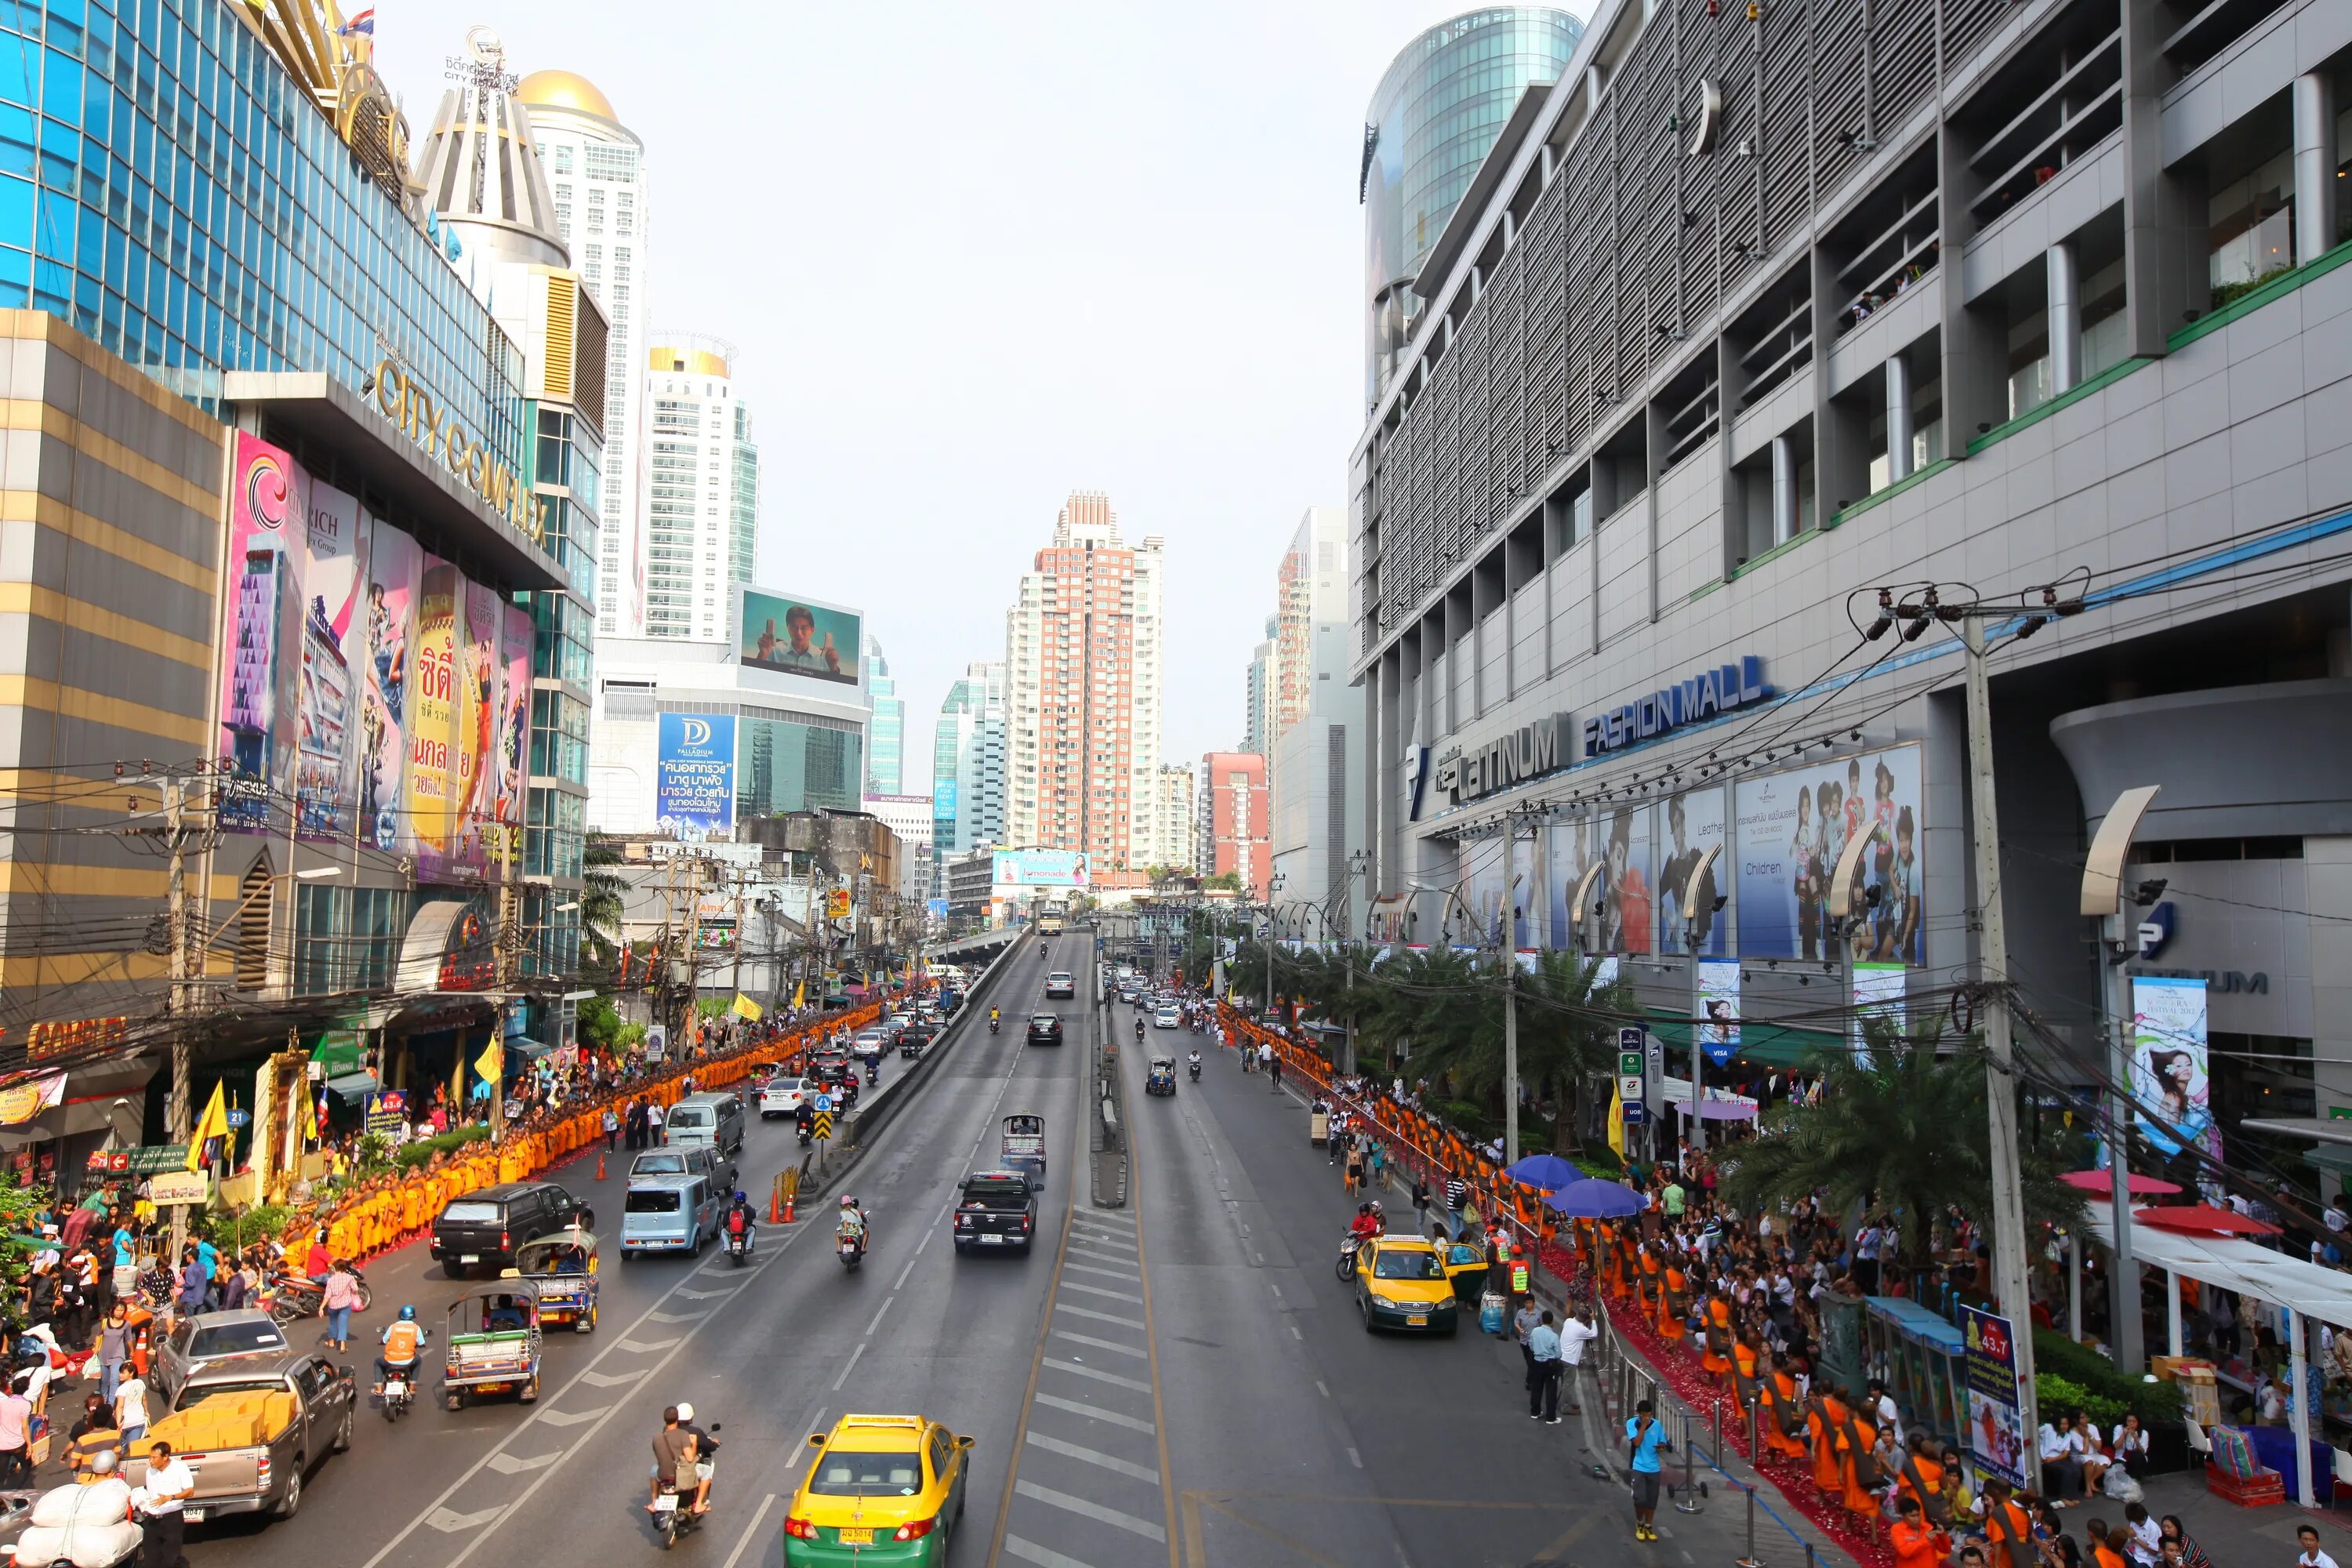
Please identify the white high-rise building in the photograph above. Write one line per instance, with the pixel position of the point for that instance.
(1178, 825)
(1314, 721)
(596, 169)
(702, 486)
(1082, 658)
(968, 767)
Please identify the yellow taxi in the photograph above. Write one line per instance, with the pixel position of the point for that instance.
(880, 1489)
(1401, 1283)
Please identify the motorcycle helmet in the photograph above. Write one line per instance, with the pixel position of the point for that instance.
(407, 1314)
(1376, 1207)
(1363, 1208)
(684, 1412)
(849, 1201)
(740, 1198)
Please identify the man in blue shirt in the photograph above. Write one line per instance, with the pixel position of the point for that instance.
(1646, 1438)
(1543, 1372)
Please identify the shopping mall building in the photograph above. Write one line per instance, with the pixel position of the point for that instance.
(296, 587)
(1694, 379)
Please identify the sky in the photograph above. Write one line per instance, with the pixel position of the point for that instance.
(976, 257)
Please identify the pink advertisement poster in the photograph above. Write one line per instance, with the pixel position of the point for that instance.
(514, 732)
(334, 660)
(478, 714)
(395, 568)
(262, 633)
(432, 744)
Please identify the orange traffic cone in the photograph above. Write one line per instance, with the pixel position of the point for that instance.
(789, 1198)
(600, 1164)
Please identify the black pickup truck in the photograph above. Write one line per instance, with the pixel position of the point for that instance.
(996, 1211)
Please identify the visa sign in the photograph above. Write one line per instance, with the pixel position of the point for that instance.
(1721, 689)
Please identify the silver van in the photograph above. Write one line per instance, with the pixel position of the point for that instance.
(714, 1120)
(668, 1213)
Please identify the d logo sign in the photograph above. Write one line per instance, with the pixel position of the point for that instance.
(696, 731)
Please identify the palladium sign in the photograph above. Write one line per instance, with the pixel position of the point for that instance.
(408, 404)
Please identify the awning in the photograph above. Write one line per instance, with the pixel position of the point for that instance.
(523, 1046)
(353, 1085)
(2233, 1265)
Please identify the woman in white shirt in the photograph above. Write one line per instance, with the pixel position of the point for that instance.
(2130, 1444)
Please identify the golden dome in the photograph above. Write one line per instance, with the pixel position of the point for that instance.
(565, 90)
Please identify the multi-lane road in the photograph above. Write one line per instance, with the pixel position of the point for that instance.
(1179, 1380)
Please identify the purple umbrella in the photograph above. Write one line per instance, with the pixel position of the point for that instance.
(1593, 1198)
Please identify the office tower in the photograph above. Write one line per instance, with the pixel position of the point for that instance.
(1178, 827)
(595, 169)
(1315, 761)
(1256, 732)
(1233, 820)
(968, 767)
(1082, 661)
(702, 486)
(885, 744)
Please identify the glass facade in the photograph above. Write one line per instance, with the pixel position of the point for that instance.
(884, 751)
(1444, 100)
(168, 189)
(781, 765)
(568, 462)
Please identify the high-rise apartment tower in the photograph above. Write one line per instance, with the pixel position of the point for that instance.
(702, 486)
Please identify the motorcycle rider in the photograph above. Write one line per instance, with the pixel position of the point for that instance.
(804, 1119)
(402, 1341)
(1193, 1061)
(1138, 1029)
(852, 1225)
(741, 1221)
(1366, 1225)
(706, 1449)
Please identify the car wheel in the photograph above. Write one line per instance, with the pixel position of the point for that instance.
(291, 1503)
(1365, 1307)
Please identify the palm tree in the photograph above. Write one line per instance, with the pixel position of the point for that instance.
(1901, 1129)
(601, 896)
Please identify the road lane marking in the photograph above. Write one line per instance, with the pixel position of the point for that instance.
(1093, 1510)
(571, 1417)
(1355, 1458)
(878, 1316)
(1098, 1290)
(647, 1347)
(710, 1294)
(612, 1379)
(1108, 1216)
(1106, 1273)
(901, 1285)
(1094, 1412)
(1325, 1393)
(509, 1465)
(1295, 1333)
(1094, 1457)
(1135, 1323)
(681, 1317)
(1043, 1556)
(847, 1364)
(1106, 1256)
(1111, 1345)
(448, 1521)
(1082, 1370)
(804, 1448)
(749, 1530)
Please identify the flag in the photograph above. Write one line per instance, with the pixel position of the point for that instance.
(1617, 1123)
(800, 996)
(490, 1067)
(362, 25)
(214, 1124)
(746, 1008)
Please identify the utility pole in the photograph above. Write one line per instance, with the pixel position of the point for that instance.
(2009, 1256)
(177, 1111)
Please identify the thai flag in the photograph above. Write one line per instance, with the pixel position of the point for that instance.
(362, 22)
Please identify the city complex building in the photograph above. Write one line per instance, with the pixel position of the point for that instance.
(1315, 744)
(886, 737)
(1693, 381)
(968, 763)
(273, 498)
(1180, 828)
(1233, 835)
(1082, 659)
(701, 488)
(595, 171)
(1444, 100)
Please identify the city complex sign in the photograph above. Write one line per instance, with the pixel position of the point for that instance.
(1721, 689)
(409, 404)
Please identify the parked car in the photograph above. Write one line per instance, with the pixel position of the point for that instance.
(280, 1414)
(1045, 1029)
(197, 1343)
(482, 1230)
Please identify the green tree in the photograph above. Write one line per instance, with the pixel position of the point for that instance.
(1900, 1129)
(601, 894)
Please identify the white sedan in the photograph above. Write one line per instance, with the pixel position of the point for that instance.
(782, 1097)
(1168, 1017)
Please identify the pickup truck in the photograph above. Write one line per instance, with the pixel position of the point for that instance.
(996, 1211)
(250, 1427)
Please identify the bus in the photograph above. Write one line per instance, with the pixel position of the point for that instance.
(1050, 918)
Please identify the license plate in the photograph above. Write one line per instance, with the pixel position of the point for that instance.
(1417, 1321)
(469, 1257)
(192, 1515)
(856, 1537)
(991, 1241)
(395, 1391)
(667, 1503)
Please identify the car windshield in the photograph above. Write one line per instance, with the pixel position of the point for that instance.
(785, 1086)
(692, 1116)
(471, 1214)
(658, 1165)
(1407, 1266)
(236, 1339)
(1042, 1021)
(653, 1200)
(850, 1472)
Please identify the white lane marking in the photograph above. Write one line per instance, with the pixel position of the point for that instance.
(612, 1379)
(1135, 1323)
(1098, 1290)
(1320, 1389)
(1078, 1251)
(681, 1317)
(901, 1285)
(878, 1316)
(1099, 1376)
(1355, 1458)
(1095, 1413)
(1295, 1333)
(846, 1365)
(749, 1530)
(647, 1347)
(710, 1294)
(1093, 1510)
(1106, 1273)
(1110, 1216)
(1094, 1457)
(1043, 1556)
(571, 1417)
(1111, 1345)
(1275, 1289)
(804, 1448)
(509, 1465)
(448, 1523)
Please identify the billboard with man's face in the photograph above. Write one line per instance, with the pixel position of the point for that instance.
(799, 636)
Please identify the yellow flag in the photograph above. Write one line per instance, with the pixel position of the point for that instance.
(1617, 1123)
(214, 1124)
(800, 996)
(306, 1110)
(746, 1008)
(491, 1065)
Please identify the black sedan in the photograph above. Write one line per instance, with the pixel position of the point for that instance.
(1045, 1029)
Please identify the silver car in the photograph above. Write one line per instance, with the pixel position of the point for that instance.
(197, 1343)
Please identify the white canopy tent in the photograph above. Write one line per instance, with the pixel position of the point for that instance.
(2309, 1294)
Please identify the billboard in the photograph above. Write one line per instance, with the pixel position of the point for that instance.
(2169, 1065)
(694, 785)
(480, 661)
(1791, 829)
(396, 575)
(334, 658)
(799, 636)
(514, 732)
(1041, 868)
(262, 633)
(1689, 825)
(1719, 1002)
(433, 727)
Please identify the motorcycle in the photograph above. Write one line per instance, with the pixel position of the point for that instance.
(739, 1247)
(1195, 1066)
(1347, 1248)
(808, 1133)
(399, 1394)
(290, 1297)
(852, 1246)
(873, 1074)
(673, 1521)
(991, 1026)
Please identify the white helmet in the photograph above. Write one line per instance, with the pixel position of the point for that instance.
(684, 1412)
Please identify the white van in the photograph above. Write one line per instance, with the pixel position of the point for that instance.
(715, 1120)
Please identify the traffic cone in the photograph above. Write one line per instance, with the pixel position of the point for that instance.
(790, 1198)
(600, 1164)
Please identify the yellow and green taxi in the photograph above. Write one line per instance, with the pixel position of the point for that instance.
(880, 1489)
(1400, 1283)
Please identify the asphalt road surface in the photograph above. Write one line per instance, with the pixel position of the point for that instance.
(1183, 1380)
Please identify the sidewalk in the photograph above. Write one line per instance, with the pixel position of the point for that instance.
(2230, 1535)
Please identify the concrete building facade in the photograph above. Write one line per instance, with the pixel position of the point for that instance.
(702, 486)
(1235, 821)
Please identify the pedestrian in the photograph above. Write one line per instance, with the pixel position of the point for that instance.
(1645, 1437)
(131, 1407)
(196, 1280)
(612, 1129)
(1421, 1206)
(1544, 1373)
(113, 1350)
(1355, 1178)
(1575, 1334)
(653, 1124)
(1457, 1192)
(1524, 1323)
(169, 1483)
(2313, 1555)
(342, 1295)
(1274, 1066)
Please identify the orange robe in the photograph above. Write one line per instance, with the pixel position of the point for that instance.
(1825, 1422)
(1860, 1438)
(1718, 1327)
(1919, 1545)
(1670, 1304)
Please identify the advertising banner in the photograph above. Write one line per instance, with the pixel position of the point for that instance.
(1486, 876)
(1718, 1004)
(1625, 891)
(395, 571)
(1574, 851)
(334, 658)
(262, 635)
(480, 712)
(433, 728)
(1995, 1430)
(1880, 796)
(694, 781)
(1040, 868)
(1690, 824)
(387, 1115)
(514, 732)
(2169, 1065)
(1792, 827)
(800, 637)
(1878, 992)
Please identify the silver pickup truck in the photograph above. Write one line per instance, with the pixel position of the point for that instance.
(267, 1476)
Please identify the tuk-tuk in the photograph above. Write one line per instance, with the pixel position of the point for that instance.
(490, 1342)
(1024, 1146)
(1162, 1077)
(562, 1265)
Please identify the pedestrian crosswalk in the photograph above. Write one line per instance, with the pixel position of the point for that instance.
(1089, 1478)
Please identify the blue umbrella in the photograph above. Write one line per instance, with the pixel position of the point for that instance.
(1545, 1173)
(1593, 1198)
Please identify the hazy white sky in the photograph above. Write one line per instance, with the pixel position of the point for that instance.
(977, 256)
